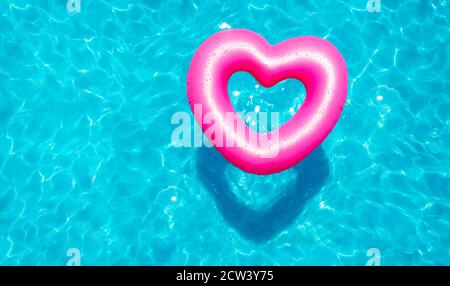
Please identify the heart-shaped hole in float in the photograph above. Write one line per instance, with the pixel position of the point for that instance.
(313, 61)
(251, 99)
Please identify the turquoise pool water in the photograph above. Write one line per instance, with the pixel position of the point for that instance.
(86, 160)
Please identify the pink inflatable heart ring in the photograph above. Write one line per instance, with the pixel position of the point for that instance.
(313, 61)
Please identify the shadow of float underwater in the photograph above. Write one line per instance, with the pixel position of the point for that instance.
(263, 223)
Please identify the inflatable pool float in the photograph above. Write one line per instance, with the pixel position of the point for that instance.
(313, 61)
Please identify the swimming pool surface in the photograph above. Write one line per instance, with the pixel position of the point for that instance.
(86, 160)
